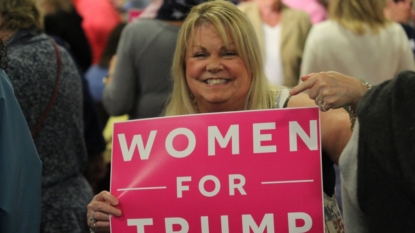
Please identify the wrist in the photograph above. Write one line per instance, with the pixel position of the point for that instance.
(352, 107)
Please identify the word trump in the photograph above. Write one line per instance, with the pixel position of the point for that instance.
(214, 135)
(248, 224)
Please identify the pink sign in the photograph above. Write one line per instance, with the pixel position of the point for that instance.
(250, 171)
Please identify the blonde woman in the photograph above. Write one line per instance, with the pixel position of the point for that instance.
(358, 41)
(217, 66)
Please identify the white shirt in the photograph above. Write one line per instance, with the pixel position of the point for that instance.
(371, 57)
(273, 63)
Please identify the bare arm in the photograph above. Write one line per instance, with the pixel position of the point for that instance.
(334, 89)
(335, 126)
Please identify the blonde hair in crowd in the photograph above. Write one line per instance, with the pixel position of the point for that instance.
(359, 15)
(228, 20)
(21, 14)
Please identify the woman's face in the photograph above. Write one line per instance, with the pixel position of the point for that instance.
(216, 74)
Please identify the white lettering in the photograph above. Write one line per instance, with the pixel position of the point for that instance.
(213, 133)
(310, 141)
(169, 222)
(292, 227)
(239, 186)
(190, 147)
(204, 220)
(144, 151)
(258, 138)
(249, 223)
(202, 186)
(180, 186)
(224, 221)
(140, 223)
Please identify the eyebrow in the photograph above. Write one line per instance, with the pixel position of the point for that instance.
(221, 48)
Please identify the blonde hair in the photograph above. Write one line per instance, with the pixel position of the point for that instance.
(228, 20)
(21, 14)
(359, 16)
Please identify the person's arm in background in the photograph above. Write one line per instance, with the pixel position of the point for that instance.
(119, 94)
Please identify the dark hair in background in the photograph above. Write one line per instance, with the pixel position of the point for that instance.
(176, 10)
(111, 47)
(3, 55)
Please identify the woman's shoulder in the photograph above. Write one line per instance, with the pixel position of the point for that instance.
(282, 97)
(394, 28)
(325, 32)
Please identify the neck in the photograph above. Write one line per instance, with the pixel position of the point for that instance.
(219, 108)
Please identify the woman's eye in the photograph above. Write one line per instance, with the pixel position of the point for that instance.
(199, 55)
(230, 53)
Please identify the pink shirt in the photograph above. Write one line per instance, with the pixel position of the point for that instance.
(316, 11)
(99, 18)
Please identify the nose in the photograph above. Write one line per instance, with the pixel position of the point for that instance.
(214, 65)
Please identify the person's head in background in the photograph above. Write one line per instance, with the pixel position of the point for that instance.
(324, 3)
(274, 5)
(399, 11)
(359, 16)
(235, 30)
(19, 14)
(56, 6)
(175, 10)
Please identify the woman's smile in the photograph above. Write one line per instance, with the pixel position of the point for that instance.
(215, 73)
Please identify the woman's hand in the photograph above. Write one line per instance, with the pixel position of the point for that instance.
(99, 209)
(331, 89)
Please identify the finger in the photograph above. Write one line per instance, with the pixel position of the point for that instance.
(100, 216)
(305, 77)
(105, 208)
(307, 84)
(106, 196)
(102, 226)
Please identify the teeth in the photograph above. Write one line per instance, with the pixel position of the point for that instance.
(216, 81)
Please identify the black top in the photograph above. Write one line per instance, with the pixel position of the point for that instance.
(386, 155)
(67, 26)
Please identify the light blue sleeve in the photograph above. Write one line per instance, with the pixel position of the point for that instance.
(20, 167)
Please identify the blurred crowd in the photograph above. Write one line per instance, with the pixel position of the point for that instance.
(78, 66)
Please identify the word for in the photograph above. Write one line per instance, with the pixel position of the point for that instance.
(248, 224)
(232, 185)
(214, 135)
